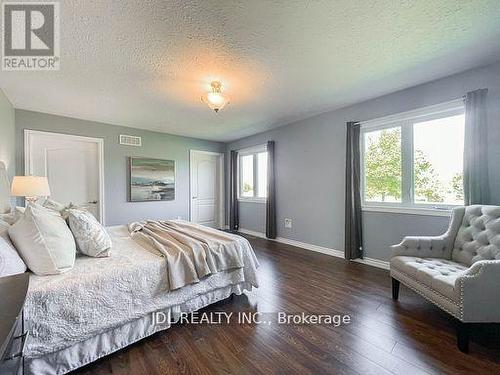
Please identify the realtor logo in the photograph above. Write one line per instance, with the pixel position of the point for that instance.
(30, 36)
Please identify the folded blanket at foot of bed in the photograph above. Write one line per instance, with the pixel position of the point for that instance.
(192, 251)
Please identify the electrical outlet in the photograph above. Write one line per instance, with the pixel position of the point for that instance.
(288, 223)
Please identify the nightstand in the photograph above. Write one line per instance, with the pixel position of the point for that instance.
(13, 336)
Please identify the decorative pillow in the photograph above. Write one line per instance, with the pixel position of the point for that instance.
(10, 262)
(17, 213)
(52, 204)
(59, 207)
(4, 228)
(44, 241)
(91, 237)
(8, 219)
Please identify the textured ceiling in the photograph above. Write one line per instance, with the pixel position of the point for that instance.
(145, 64)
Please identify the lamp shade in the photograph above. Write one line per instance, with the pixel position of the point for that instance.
(30, 186)
(215, 99)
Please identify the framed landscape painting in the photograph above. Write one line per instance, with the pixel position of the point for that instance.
(151, 179)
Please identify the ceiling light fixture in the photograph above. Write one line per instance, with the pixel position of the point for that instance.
(214, 99)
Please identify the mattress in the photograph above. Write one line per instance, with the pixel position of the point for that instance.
(102, 295)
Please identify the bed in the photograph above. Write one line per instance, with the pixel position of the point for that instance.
(105, 304)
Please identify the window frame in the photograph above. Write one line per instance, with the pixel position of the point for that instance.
(405, 121)
(255, 150)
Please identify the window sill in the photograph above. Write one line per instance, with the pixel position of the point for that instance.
(252, 200)
(444, 212)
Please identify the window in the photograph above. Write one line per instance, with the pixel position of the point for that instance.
(383, 172)
(438, 154)
(253, 174)
(414, 159)
(247, 172)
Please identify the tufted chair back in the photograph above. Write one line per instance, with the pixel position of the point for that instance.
(478, 236)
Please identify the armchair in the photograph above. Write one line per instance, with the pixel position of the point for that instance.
(458, 271)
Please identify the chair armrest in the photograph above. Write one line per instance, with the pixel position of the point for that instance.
(435, 246)
(480, 293)
(423, 247)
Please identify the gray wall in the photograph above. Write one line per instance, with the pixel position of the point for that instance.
(382, 229)
(310, 162)
(7, 134)
(252, 216)
(155, 145)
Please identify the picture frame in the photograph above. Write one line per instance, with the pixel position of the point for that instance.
(151, 179)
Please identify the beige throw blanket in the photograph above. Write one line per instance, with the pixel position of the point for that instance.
(192, 251)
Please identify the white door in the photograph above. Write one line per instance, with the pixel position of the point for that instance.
(207, 188)
(72, 164)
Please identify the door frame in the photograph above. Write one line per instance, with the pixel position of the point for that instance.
(28, 167)
(221, 220)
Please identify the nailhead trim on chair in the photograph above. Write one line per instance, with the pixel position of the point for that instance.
(470, 276)
(395, 273)
(466, 235)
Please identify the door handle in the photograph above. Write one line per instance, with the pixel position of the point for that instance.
(195, 197)
(93, 202)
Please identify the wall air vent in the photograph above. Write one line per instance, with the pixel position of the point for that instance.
(130, 140)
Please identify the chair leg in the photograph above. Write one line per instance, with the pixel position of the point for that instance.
(395, 289)
(463, 335)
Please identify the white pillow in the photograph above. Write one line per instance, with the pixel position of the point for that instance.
(52, 204)
(5, 222)
(91, 237)
(10, 262)
(59, 207)
(13, 216)
(44, 241)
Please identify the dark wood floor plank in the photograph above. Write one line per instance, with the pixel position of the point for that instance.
(409, 336)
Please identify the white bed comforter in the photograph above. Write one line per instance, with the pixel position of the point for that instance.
(102, 293)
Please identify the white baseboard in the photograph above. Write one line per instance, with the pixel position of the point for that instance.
(373, 262)
(252, 233)
(319, 249)
(308, 246)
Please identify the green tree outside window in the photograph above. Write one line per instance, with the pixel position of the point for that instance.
(383, 173)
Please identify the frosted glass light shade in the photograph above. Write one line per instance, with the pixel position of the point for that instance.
(215, 99)
(30, 186)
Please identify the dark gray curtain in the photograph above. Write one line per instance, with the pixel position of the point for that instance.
(353, 232)
(476, 181)
(234, 216)
(271, 193)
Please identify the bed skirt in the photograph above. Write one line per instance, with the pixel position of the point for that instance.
(96, 347)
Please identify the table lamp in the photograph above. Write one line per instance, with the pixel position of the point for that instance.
(30, 187)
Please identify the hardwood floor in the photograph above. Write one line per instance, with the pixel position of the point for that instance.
(408, 337)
